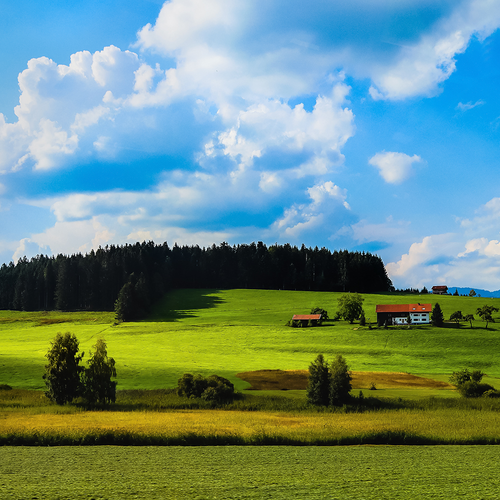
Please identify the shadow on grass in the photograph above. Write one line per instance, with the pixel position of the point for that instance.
(183, 304)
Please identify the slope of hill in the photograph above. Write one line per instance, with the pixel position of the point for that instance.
(232, 331)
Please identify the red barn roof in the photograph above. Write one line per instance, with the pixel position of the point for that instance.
(303, 317)
(404, 308)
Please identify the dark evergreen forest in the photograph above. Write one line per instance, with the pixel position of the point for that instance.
(93, 281)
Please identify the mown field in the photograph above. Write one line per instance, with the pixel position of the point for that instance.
(277, 472)
(232, 331)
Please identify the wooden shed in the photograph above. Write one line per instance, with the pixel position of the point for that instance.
(305, 318)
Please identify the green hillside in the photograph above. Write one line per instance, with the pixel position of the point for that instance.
(230, 331)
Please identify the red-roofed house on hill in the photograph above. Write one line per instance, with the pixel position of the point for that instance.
(440, 290)
(397, 314)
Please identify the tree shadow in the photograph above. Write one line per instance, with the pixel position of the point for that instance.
(183, 304)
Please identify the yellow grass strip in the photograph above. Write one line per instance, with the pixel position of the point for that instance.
(444, 424)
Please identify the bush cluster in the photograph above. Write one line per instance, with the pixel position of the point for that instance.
(213, 388)
(469, 384)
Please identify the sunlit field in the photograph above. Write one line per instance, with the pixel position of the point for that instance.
(255, 472)
(232, 331)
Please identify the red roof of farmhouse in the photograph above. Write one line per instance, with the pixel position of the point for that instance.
(440, 287)
(302, 317)
(401, 308)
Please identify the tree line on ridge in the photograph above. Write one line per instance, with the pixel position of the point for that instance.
(94, 281)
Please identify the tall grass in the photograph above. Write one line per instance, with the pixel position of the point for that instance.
(211, 427)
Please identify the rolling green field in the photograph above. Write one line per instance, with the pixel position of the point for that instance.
(277, 472)
(231, 331)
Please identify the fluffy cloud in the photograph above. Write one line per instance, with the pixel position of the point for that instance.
(442, 259)
(421, 67)
(394, 167)
(327, 211)
(221, 53)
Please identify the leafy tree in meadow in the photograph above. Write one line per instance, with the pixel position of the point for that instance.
(96, 378)
(340, 381)
(350, 306)
(437, 318)
(469, 318)
(486, 313)
(472, 293)
(457, 317)
(318, 386)
(62, 373)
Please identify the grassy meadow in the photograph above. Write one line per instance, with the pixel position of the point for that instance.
(255, 472)
(232, 331)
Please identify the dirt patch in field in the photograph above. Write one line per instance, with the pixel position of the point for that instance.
(265, 380)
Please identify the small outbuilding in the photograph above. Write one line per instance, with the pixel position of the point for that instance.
(305, 318)
(398, 314)
(440, 290)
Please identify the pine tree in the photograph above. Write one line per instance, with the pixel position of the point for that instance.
(437, 318)
(340, 381)
(318, 387)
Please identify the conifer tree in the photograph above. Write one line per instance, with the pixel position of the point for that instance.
(340, 381)
(437, 318)
(318, 387)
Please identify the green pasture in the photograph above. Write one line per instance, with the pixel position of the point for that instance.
(231, 331)
(234, 472)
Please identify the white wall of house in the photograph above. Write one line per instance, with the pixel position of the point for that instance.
(419, 317)
(416, 319)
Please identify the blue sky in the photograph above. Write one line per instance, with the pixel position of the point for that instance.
(362, 125)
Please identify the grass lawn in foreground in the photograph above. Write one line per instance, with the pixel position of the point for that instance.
(277, 472)
(231, 331)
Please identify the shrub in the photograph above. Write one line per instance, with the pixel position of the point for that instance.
(213, 388)
(5, 387)
(491, 394)
(362, 319)
(472, 389)
(469, 384)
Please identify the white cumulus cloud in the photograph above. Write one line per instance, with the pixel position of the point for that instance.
(394, 168)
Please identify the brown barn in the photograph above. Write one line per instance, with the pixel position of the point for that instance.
(305, 318)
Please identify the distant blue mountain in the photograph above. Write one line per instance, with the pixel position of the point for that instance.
(479, 291)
